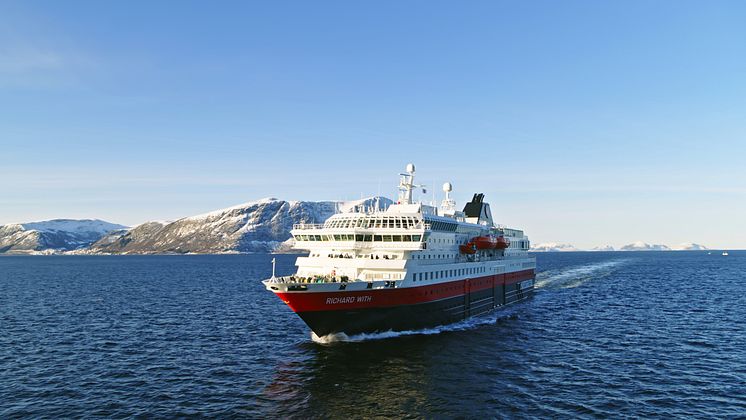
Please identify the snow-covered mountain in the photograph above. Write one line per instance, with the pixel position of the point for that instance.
(257, 226)
(53, 235)
(603, 248)
(689, 246)
(643, 246)
(553, 247)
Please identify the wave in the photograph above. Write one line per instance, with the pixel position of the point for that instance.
(575, 276)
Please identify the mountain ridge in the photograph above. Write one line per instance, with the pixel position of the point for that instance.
(56, 235)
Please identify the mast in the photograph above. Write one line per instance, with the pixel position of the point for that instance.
(406, 185)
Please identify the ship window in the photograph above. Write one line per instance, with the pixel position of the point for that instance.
(359, 238)
(387, 238)
(377, 238)
(378, 223)
(397, 223)
(407, 238)
(416, 238)
(397, 238)
(367, 238)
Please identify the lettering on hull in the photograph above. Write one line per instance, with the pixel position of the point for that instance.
(348, 299)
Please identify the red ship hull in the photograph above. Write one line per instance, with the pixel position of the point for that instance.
(408, 308)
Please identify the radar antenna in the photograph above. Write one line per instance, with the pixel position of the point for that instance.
(406, 185)
(448, 204)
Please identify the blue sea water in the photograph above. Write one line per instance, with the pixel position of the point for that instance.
(650, 334)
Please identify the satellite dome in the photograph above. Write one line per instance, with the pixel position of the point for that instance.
(447, 187)
(410, 167)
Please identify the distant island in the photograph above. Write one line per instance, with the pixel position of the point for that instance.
(257, 226)
(635, 246)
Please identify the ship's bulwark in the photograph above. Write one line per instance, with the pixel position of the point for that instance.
(408, 308)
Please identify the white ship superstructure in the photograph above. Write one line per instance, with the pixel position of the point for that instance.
(409, 266)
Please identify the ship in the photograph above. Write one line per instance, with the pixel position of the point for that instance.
(408, 266)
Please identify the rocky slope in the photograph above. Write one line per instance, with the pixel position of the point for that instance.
(258, 226)
(53, 235)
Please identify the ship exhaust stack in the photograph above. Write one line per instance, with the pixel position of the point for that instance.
(477, 211)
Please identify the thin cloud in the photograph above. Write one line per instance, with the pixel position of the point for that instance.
(22, 60)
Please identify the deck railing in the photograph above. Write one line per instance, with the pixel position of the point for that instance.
(311, 226)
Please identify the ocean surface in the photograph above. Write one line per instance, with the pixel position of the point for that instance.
(651, 334)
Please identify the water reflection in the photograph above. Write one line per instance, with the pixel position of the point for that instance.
(405, 376)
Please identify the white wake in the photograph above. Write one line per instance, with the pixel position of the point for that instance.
(571, 277)
(467, 324)
(565, 278)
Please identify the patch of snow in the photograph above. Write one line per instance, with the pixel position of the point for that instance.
(644, 246)
(553, 247)
(690, 246)
(605, 248)
(73, 226)
(216, 213)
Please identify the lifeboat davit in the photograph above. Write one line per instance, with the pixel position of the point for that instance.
(468, 248)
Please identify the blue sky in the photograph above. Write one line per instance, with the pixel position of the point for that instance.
(584, 122)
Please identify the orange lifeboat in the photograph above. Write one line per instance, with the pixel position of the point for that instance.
(485, 242)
